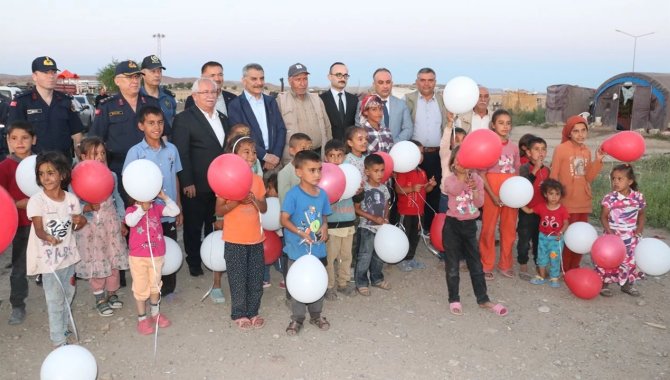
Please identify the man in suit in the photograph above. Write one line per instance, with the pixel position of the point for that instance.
(199, 134)
(340, 105)
(261, 113)
(431, 120)
(396, 114)
(214, 71)
(480, 116)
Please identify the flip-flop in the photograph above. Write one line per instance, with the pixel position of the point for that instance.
(498, 309)
(243, 323)
(455, 308)
(257, 322)
(382, 285)
(364, 291)
(507, 273)
(488, 276)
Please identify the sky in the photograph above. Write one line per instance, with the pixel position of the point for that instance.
(511, 44)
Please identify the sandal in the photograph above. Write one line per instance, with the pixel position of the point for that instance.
(243, 323)
(104, 310)
(538, 280)
(554, 283)
(606, 291)
(364, 291)
(321, 322)
(383, 285)
(293, 328)
(455, 308)
(114, 302)
(509, 273)
(629, 289)
(497, 309)
(257, 322)
(525, 276)
(488, 276)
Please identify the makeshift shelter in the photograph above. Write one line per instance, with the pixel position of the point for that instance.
(634, 101)
(66, 74)
(565, 100)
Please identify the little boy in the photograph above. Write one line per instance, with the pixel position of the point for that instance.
(528, 225)
(20, 139)
(166, 157)
(374, 211)
(303, 216)
(287, 177)
(341, 231)
(412, 188)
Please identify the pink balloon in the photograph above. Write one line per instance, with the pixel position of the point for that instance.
(480, 149)
(608, 251)
(332, 181)
(230, 177)
(10, 219)
(388, 165)
(626, 146)
(92, 181)
(583, 283)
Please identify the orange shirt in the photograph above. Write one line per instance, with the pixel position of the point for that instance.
(242, 225)
(573, 167)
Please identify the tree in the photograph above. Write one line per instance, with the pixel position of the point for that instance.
(105, 76)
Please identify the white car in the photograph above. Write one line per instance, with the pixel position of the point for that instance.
(85, 111)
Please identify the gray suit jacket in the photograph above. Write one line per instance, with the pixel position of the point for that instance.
(401, 125)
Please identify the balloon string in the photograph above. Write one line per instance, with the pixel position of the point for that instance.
(67, 303)
(153, 264)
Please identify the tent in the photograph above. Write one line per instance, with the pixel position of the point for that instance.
(634, 101)
(565, 100)
(67, 75)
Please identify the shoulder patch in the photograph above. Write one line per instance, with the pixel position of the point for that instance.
(105, 100)
(22, 94)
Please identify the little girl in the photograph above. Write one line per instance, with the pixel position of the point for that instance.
(372, 114)
(464, 190)
(244, 237)
(101, 246)
(623, 215)
(357, 146)
(572, 166)
(524, 156)
(147, 254)
(52, 249)
(244, 130)
(506, 167)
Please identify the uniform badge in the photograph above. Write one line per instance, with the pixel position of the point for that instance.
(167, 104)
(33, 111)
(132, 64)
(155, 59)
(115, 113)
(12, 103)
(98, 112)
(48, 61)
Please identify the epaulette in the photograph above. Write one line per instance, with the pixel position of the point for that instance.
(165, 90)
(107, 99)
(23, 94)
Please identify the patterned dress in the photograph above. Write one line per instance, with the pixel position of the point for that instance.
(624, 211)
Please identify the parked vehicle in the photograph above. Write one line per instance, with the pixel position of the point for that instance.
(85, 111)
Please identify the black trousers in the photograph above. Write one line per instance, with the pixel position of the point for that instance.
(460, 241)
(18, 281)
(170, 280)
(198, 214)
(433, 167)
(411, 224)
(528, 229)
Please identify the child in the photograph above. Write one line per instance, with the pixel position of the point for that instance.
(572, 166)
(379, 135)
(147, 251)
(524, 148)
(102, 246)
(373, 211)
(464, 190)
(166, 157)
(528, 226)
(271, 191)
(506, 167)
(52, 249)
(412, 188)
(244, 237)
(341, 231)
(553, 222)
(357, 147)
(623, 215)
(457, 137)
(303, 216)
(287, 178)
(20, 139)
(244, 130)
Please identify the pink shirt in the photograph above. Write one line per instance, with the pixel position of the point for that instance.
(142, 235)
(464, 203)
(509, 160)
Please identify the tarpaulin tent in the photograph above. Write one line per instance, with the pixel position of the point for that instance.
(565, 100)
(67, 75)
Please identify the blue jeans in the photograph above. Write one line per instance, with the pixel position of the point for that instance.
(266, 272)
(368, 261)
(549, 254)
(57, 302)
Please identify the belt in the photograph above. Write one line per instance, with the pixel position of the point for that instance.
(431, 149)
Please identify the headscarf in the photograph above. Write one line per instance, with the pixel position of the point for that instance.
(572, 121)
(367, 102)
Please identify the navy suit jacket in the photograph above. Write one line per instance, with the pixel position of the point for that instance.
(240, 112)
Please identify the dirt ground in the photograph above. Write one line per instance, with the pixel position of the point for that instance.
(403, 333)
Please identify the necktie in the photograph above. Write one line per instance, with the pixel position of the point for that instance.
(341, 107)
(386, 114)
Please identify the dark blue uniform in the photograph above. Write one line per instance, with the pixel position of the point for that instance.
(54, 124)
(167, 102)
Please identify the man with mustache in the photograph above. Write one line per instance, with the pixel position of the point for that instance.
(340, 105)
(480, 117)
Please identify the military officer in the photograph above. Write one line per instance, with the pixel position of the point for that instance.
(152, 68)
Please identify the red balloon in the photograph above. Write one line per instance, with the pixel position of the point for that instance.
(332, 181)
(436, 231)
(230, 177)
(92, 181)
(626, 146)
(583, 283)
(608, 251)
(271, 247)
(388, 165)
(480, 149)
(10, 219)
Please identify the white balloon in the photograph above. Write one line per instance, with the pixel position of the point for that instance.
(460, 95)
(270, 218)
(71, 362)
(406, 156)
(580, 236)
(516, 192)
(652, 257)
(173, 257)
(211, 251)
(142, 180)
(391, 244)
(353, 178)
(25, 176)
(307, 279)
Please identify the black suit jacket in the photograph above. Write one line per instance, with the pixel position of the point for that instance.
(336, 124)
(227, 97)
(197, 145)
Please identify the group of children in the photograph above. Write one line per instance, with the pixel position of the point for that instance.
(69, 236)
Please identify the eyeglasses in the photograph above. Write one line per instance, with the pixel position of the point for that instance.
(213, 93)
(340, 76)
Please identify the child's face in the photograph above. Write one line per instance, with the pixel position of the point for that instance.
(374, 114)
(375, 173)
(458, 139)
(503, 126)
(553, 197)
(579, 133)
(457, 168)
(299, 147)
(538, 152)
(98, 153)
(152, 127)
(309, 172)
(271, 191)
(359, 143)
(620, 182)
(335, 156)
(49, 177)
(20, 142)
(247, 151)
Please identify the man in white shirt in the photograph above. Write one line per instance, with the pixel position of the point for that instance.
(480, 117)
(340, 105)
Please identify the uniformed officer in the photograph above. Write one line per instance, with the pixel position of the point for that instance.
(152, 68)
(51, 113)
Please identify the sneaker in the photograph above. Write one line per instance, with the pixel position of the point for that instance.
(349, 290)
(416, 264)
(266, 284)
(405, 266)
(217, 295)
(163, 321)
(146, 326)
(331, 295)
(282, 285)
(18, 316)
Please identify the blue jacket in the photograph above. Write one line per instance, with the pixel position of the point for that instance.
(239, 111)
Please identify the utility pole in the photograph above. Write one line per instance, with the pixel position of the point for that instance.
(635, 37)
(158, 37)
